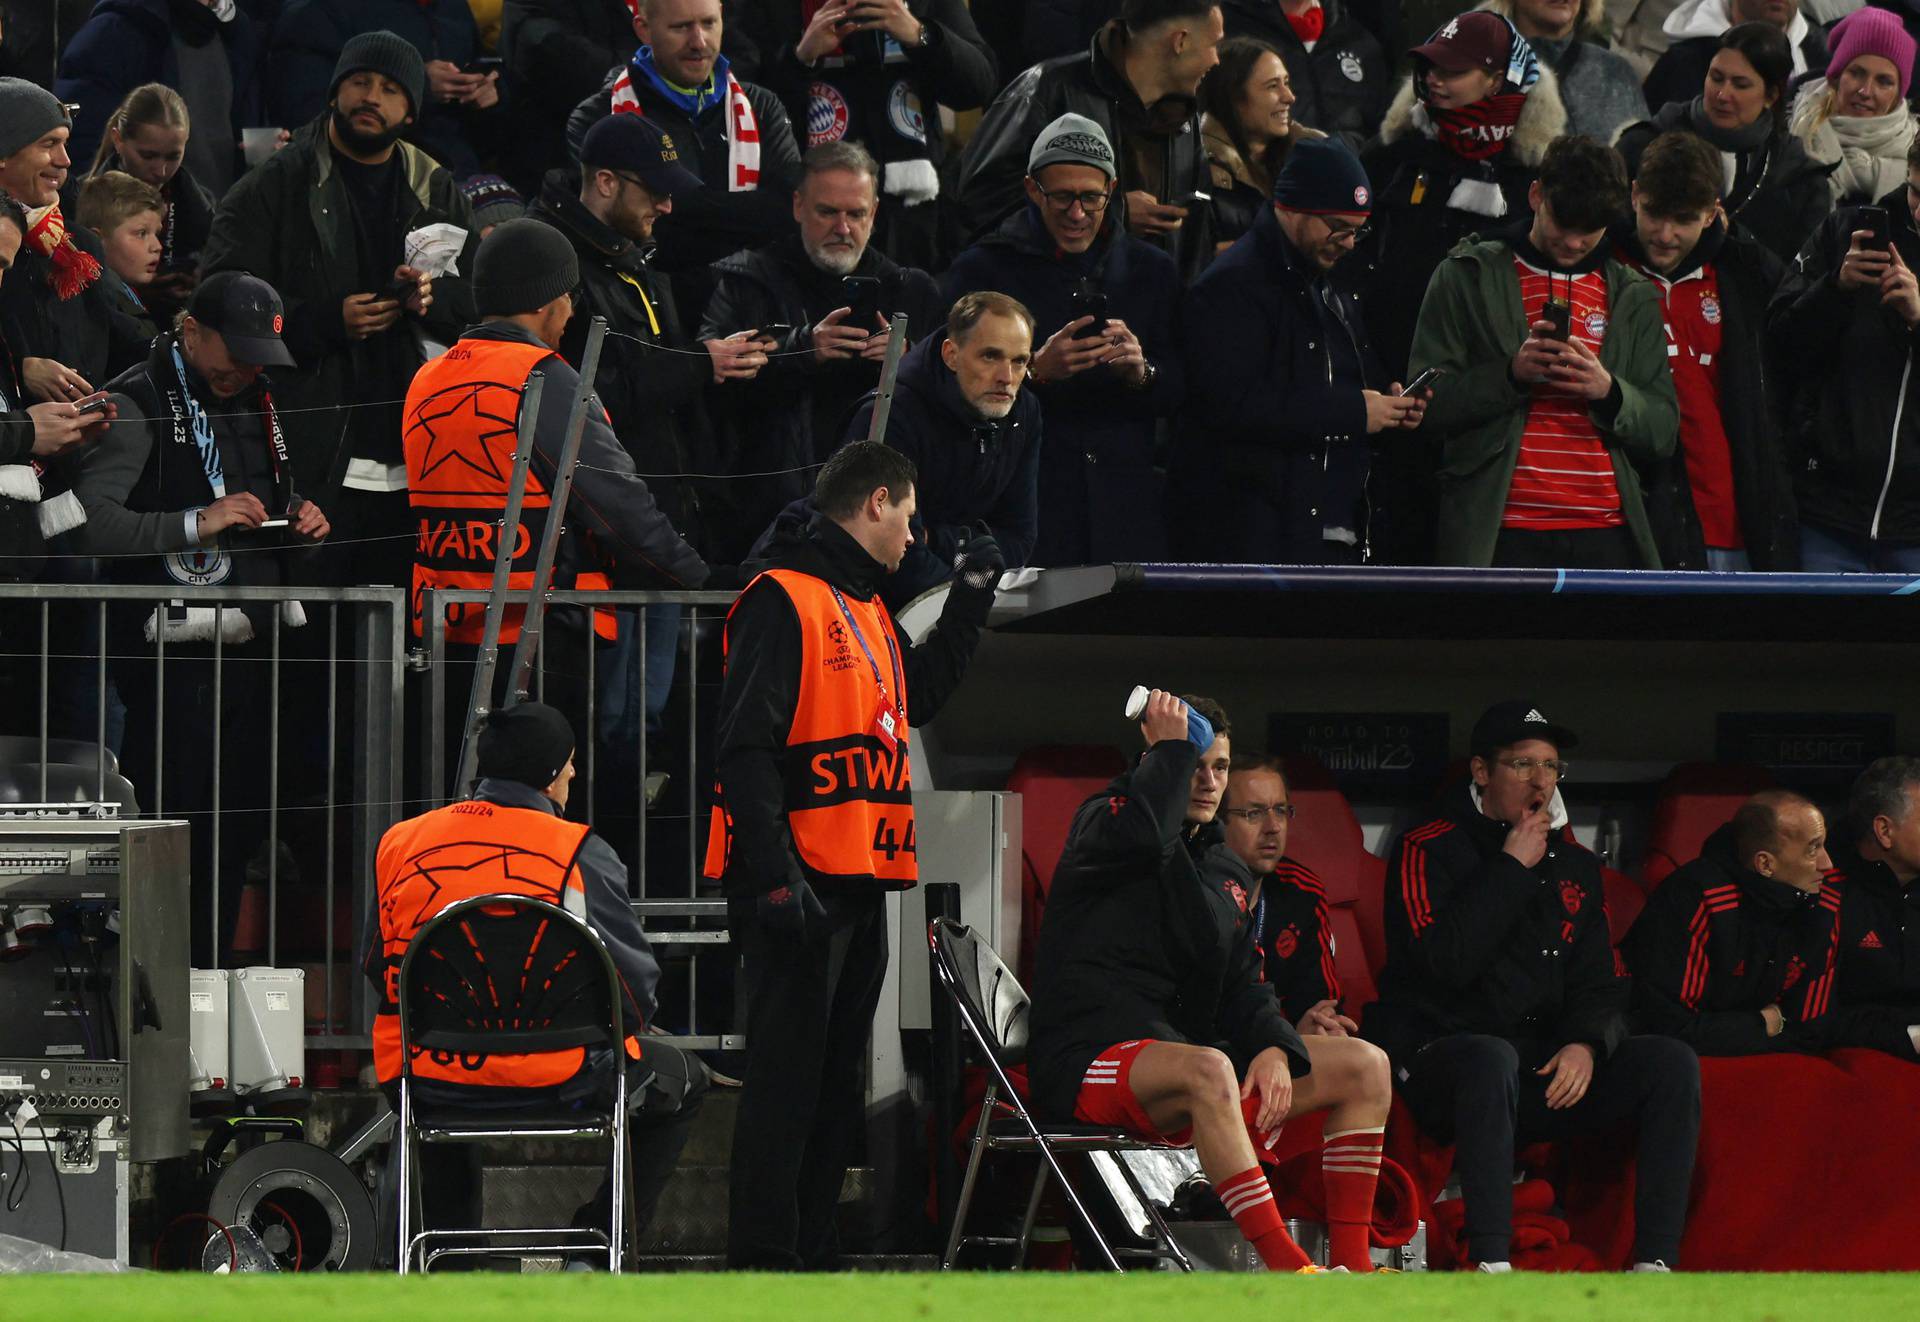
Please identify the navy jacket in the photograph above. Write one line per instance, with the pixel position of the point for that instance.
(1098, 483)
(1265, 415)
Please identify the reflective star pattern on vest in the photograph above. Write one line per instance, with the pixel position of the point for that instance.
(458, 426)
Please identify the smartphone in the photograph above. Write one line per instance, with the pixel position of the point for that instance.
(483, 64)
(1194, 199)
(1089, 302)
(862, 293)
(1560, 317)
(98, 405)
(264, 524)
(401, 290)
(1874, 221)
(773, 330)
(1422, 381)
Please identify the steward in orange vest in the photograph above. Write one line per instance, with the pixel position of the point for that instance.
(459, 428)
(814, 824)
(511, 837)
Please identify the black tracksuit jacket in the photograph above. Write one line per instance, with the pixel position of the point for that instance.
(1476, 943)
(1717, 942)
(1876, 991)
(1296, 943)
(1137, 943)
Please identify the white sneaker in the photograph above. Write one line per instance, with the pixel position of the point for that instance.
(1655, 1266)
(1494, 1267)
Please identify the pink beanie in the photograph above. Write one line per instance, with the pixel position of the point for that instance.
(1871, 32)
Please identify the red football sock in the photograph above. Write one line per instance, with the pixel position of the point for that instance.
(1251, 1202)
(1350, 1168)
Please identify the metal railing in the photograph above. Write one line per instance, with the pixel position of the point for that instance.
(352, 644)
(686, 927)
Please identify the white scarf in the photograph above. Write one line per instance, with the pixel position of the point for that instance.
(743, 129)
(1870, 152)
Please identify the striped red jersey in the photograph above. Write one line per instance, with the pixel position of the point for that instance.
(1564, 476)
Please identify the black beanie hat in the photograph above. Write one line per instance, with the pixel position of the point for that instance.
(522, 266)
(388, 54)
(529, 743)
(1324, 177)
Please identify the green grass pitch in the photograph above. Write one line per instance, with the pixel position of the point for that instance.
(1001, 1297)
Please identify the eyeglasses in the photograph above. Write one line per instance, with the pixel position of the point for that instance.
(1063, 200)
(1345, 233)
(1524, 767)
(1256, 813)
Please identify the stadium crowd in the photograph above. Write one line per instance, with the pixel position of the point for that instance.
(1542, 283)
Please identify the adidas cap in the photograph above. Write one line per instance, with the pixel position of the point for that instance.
(1512, 722)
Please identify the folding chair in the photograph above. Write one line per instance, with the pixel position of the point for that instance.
(508, 974)
(993, 1006)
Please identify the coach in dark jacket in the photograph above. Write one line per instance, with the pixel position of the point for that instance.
(1098, 484)
(1499, 1004)
(1161, 157)
(1732, 960)
(1342, 85)
(213, 62)
(1843, 356)
(1285, 387)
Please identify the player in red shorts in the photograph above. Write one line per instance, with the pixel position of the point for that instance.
(1149, 1014)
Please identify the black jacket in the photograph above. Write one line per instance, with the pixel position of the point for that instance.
(971, 471)
(1342, 85)
(1877, 980)
(1098, 485)
(1158, 146)
(1476, 943)
(1138, 943)
(79, 332)
(762, 685)
(1781, 208)
(1681, 70)
(290, 222)
(1265, 410)
(1718, 942)
(21, 544)
(1844, 363)
(1746, 274)
(1295, 939)
(793, 413)
(711, 222)
(653, 377)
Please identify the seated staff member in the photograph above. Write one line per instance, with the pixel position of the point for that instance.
(1149, 1014)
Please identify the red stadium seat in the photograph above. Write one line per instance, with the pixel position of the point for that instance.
(1326, 836)
(1696, 799)
(1052, 781)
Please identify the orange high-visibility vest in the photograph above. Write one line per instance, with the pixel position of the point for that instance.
(458, 430)
(454, 853)
(848, 797)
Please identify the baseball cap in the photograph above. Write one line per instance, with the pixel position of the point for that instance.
(1477, 39)
(247, 313)
(1513, 722)
(1071, 140)
(627, 141)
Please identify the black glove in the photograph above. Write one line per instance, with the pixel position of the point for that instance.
(788, 908)
(980, 563)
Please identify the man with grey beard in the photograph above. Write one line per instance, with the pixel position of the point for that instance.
(817, 304)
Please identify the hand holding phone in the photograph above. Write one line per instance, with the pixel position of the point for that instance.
(1875, 222)
(1421, 382)
(1559, 318)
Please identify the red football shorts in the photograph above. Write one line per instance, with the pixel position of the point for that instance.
(1106, 1098)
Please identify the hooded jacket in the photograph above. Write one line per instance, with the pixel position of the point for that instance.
(1471, 325)
(1718, 942)
(762, 687)
(1137, 943)
(1478, 943)
(1877, 983)
(1746, 275)
(1600, 88)
(1783, 207)
(290, 222)
(1341, 84)
(792, 414)
(1157, 147)
(1265, 410)
(1098, 486)
(971, 471)
(1693, 32)
(1845, 365)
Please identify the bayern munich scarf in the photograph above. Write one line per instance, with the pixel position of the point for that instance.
(1481, 131)
(864, 90)
(742, 126)
(73, 268)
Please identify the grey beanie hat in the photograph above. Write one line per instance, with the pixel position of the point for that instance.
(388, 54)
(522, 266)
(28, 112)
(1072, 140)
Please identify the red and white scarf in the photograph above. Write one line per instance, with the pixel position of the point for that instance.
(73, 268)
(743, 129)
